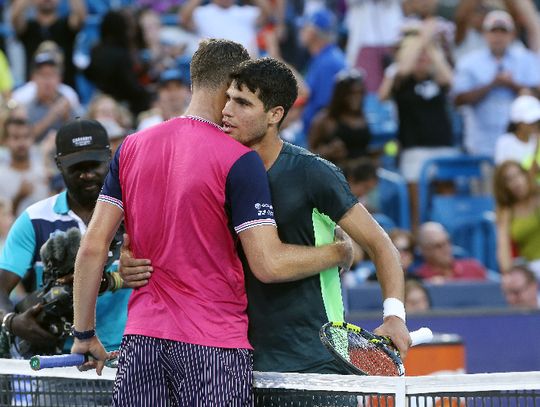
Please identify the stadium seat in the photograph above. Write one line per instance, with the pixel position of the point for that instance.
(478, 235)
(394, 198)
(466, 172)
(381, 118)
(455, 295)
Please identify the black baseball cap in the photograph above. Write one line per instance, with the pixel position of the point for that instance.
(82, 140)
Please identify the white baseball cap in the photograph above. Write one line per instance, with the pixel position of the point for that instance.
(498, 19)
(525, 109)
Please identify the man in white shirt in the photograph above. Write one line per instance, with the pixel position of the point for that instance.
(225, 19)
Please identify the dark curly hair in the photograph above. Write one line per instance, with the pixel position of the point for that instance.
(272, 81)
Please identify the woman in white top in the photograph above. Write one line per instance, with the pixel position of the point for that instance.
(520, 142)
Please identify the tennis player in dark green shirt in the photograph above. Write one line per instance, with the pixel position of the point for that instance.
(310, 197)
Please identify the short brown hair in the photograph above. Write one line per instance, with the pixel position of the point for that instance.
(214, 61)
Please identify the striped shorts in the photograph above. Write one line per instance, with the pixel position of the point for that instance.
(157, 372)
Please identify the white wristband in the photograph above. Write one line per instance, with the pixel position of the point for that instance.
(393, 306)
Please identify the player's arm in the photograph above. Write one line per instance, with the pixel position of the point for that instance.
(89, 264)
(365, 231)
(272, 261)
(252, 215)
(91, 259)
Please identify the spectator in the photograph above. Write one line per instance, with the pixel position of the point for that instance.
(155, 53)
(522, 137)
(116, 133)
(49, 109)
(340, 132)
(425, 11)
(23, 181)
(112, 66)
(488, 80)
(404, 242)
(26, 93)
(373, 29)
(419, 82)
(173, 97)
(103, 107)
(82, 155)
(318, 35)
(6, 220)
(520, 288)
(48, 25)
(469, 15)
(362, 177)
(518, 216)
(227, 20)
(439, 265)
(417, 297)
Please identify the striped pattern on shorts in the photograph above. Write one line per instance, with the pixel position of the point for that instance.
(158, 372)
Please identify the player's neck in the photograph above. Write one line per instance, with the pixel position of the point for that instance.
(268, 149)
(206, 107)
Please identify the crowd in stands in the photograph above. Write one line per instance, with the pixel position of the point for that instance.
(460, 81)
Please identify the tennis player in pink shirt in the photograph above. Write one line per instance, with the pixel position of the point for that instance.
(188, 194)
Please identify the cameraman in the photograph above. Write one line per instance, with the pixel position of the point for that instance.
(83, 155)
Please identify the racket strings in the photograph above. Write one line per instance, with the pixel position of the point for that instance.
(364, 354)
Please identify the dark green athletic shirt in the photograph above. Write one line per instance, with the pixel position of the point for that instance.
(310, 195)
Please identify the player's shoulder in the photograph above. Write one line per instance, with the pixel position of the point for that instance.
(307, 158)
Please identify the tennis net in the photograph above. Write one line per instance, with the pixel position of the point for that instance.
(21, 386)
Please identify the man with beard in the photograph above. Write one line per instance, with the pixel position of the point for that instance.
(49, 25)
(83, 156)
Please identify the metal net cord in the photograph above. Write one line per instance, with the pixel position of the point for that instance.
(362, 353)
(58, 387)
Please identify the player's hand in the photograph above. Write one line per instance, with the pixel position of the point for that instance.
(95, 349)
(394, 328)
(348, 250)
(25, 326)
(134, 272)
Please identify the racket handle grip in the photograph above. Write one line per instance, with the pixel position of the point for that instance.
(43, 362)
(422, 335)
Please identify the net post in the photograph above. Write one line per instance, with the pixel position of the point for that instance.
(401, 391)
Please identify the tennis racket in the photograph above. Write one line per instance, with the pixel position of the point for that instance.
(38, 362)
(364, 353)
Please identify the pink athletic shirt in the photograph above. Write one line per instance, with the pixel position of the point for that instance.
(187, 189)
